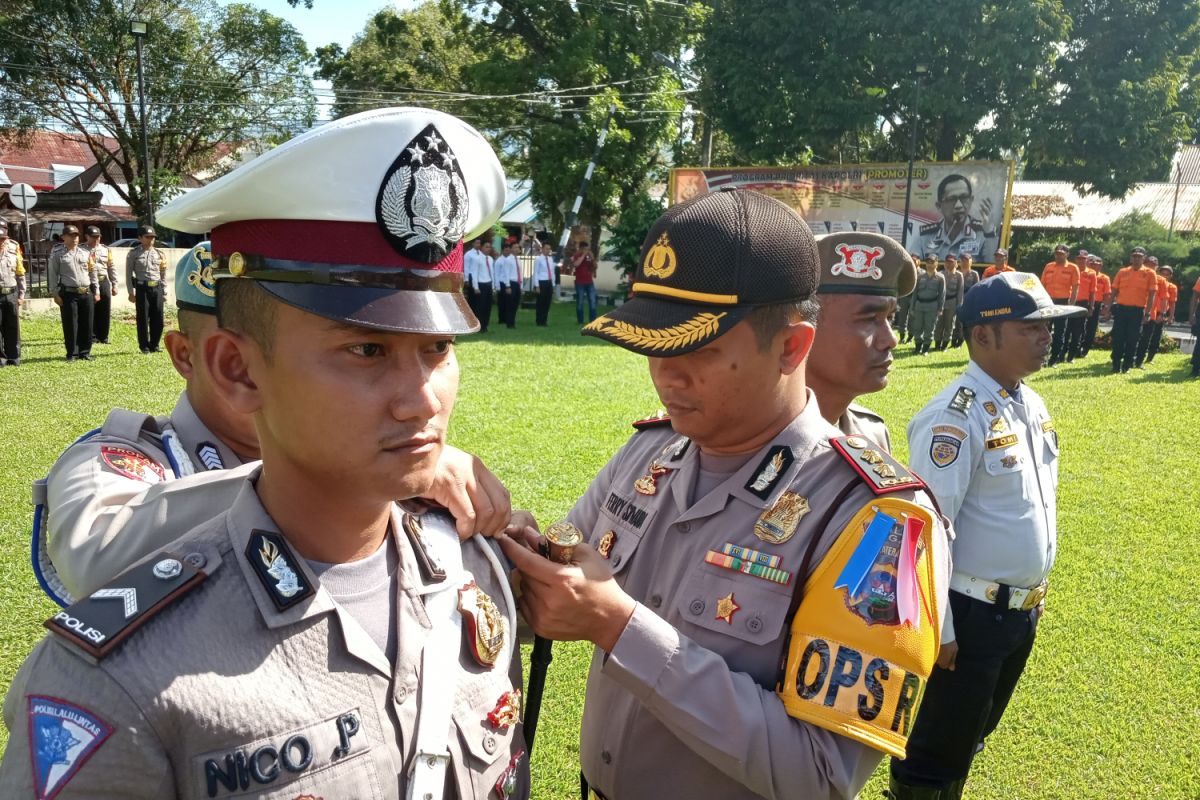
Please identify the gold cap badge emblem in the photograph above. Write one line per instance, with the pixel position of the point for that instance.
(660, 260)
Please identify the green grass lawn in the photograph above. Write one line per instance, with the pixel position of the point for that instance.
(1110, 704)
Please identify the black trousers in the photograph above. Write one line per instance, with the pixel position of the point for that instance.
(962, 706)
(10, 326)
(1090, 326)
(1148, 343)
(1059, 338)
(149, 305)
(76, 315)
(103, 314)
(483, 305)
(1126, 328)
(514, 303)
(544, 295)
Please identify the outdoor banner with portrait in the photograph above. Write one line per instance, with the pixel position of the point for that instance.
(956, 207)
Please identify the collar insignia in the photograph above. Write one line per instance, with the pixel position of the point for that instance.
(209, 456)
(770, 470)
(422, 203)
(276, 566)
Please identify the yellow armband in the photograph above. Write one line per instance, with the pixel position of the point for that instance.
(865, 636)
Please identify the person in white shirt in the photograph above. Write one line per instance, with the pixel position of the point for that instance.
(484, 277)
(508, 286)
(471, 259)
(543, 279)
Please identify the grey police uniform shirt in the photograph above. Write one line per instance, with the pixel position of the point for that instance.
(143, 265)
(106, 268)
(221, 672)
(865, 422)
(972, 239)
(930, 291)
(685, 704)
(999, 492)
(69, 269)
(969, 278)
(954, 282)
(100, 519)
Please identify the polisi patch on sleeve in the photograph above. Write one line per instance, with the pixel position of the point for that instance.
(62, 737)
(131, 464)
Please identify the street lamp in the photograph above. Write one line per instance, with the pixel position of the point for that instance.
(138, 28)
(912, 152)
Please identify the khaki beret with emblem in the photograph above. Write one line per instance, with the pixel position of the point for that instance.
(707, 263)
(857, 262)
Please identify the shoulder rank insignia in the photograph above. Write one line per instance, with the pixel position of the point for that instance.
(101, 621)
(659, 420)
(882, 473)
(278, 569)
(62, 737)
(963, 399)
(773, 466)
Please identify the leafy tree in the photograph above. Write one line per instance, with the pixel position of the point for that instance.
(408, 56)
(1127, 94)
(216, 77)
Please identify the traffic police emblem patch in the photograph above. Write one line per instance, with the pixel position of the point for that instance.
(131, 464)
(276, 567)
(61, 739)
(945, 445)
(422, 203)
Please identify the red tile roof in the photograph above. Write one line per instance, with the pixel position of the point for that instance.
(45, 149)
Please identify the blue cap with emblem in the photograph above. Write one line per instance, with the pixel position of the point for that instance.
(1011, 296)
(195, 289)
(381, 245)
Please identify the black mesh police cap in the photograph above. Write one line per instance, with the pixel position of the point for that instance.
(705, 264)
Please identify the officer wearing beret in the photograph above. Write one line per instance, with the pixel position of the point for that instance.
(73, 278)
(106, 279)
(704, 525)
(944, 331)
(145, 273)
(315, 638)
(987, 447)
(862, 274)
(969, 278)
(903, 318)
(12, 294)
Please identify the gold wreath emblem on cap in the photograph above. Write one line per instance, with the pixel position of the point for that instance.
(237, 264)
(660, 261)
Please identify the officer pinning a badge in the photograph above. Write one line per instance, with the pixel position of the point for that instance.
(987, 447)
(714, 675)
(315, 637)
(862, 275)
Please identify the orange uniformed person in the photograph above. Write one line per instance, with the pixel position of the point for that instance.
(1061, 279)
(1195, 323)
(1164, 312)
(1001, 264)
(1103, 297)
(1134, 289)
(1077, 326)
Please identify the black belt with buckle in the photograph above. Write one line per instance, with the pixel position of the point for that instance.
(148, 284)
(5, 291)
(74, 289)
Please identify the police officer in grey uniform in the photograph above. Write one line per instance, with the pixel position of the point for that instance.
(106, 279)
(954, 289)
(903, 318)
(145, 273)
(702, 527)
(928, 298)
(969, 278)
(12, 295)
(959, 231)
(336, 644)
(74, 281)
(988, 449)
(861, 276)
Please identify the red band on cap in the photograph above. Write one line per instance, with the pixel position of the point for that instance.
(321, 242)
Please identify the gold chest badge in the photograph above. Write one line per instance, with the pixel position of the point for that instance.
(779, 522)
(486, 628)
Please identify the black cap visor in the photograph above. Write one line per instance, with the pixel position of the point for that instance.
(663, 328)
(396, 310)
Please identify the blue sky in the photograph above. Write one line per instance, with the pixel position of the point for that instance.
(328, 20)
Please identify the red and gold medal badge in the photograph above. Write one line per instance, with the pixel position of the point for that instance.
(131, 464)
(507, 711)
